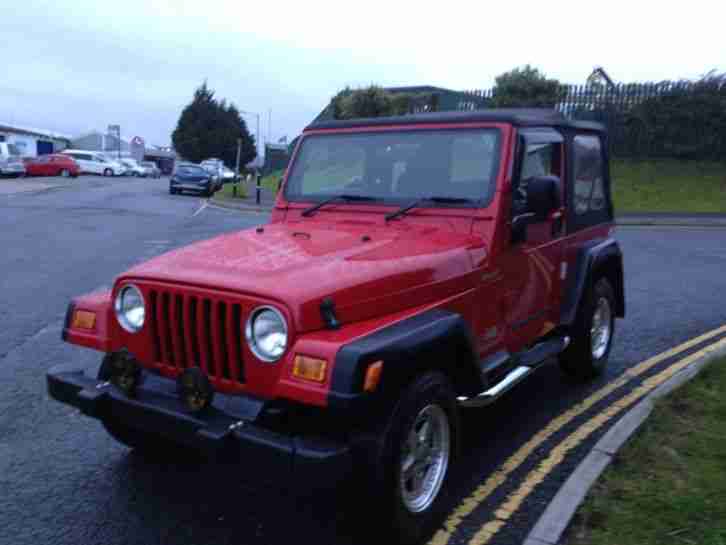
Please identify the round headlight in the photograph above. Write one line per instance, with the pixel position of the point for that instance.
(129, 306)
(266, 333)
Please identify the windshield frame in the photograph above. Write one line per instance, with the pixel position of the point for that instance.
(481, 202)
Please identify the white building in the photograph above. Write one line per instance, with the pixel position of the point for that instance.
(32, 142)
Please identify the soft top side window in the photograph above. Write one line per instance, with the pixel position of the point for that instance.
(589, 191)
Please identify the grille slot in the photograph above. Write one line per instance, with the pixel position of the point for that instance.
(192, 330)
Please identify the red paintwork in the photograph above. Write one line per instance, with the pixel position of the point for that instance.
(458, 259)
(51, 165)
(99, 338)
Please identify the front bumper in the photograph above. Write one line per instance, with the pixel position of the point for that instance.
(226, 430)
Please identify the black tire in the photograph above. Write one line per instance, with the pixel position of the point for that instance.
(431, 389)
(580, 360)
(148, 444)
(173, 191)
(108, 172)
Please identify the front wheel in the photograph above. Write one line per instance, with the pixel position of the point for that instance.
(108, 172)
(592, 334)
(419, 447)
(65, 173)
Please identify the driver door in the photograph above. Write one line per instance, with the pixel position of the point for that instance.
(532, 261)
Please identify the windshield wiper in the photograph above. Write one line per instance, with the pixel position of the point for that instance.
(418, 202)
(344, 197)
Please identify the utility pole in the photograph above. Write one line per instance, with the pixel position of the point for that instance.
(257, 138)
(116, 129)
(269, 125)
(239, 152)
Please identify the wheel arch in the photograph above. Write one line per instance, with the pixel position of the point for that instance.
(435, 340)
(599, 259)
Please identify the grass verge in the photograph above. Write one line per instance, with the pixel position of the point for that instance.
(668, 484)
(269, 182)
(668, 186)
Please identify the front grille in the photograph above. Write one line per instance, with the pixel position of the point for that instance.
(197, 331)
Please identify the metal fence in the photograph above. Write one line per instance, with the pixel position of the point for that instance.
(667, 119)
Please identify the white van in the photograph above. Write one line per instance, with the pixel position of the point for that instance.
(92, 162)
(11, 164)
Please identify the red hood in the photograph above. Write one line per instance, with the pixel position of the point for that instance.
(366, 270)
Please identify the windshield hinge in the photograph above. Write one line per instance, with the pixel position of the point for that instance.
(327, 310)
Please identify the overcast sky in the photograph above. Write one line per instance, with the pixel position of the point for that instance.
(78, 65)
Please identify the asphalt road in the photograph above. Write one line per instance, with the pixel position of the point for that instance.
(64, 481)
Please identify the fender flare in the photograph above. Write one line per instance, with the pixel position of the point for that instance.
(603, 255)
(405, 347)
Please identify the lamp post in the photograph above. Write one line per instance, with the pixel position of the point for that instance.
(257, 138)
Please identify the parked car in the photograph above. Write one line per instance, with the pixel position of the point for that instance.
(151, 170)
(191, 177)
(91, 162)
(212, 165)
(429, 263)
(133, 168)
(52, 165)
(11, 164)
(228, 175)
(215, 167)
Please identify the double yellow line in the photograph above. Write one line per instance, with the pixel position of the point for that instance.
(557, 454)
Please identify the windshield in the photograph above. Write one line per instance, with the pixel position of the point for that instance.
(191, 171)
(396, 167)
(13, 150)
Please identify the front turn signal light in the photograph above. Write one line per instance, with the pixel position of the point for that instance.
(373, 376)
(308, 368)
(83, 319)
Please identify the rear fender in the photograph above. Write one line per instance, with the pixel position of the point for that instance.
(595, 260)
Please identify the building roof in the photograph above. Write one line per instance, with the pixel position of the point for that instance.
(523, 117)
(43, 133)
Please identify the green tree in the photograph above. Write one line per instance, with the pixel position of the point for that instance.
(208, 127)
(526, 87)
(375, 101)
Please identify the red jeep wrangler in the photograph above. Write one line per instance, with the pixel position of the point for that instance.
(412, 266)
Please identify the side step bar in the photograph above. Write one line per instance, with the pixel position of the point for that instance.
(529, 361)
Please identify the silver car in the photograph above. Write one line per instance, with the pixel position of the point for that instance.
(11, 164)
(152, 171)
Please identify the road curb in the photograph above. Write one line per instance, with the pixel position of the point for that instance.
(242, 208)
(557, 516)
(646, 222)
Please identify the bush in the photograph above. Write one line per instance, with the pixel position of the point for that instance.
(689, 121)
(375, 101)
(526, 87)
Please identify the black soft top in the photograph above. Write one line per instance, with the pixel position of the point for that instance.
(521, 117)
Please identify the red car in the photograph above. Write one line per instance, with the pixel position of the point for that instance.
(413, 266)
(52, 165)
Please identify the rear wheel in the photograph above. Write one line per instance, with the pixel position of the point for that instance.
(592, 334)
(108, 172)
(64, 173)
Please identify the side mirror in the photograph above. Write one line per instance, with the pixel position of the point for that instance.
(543, 196)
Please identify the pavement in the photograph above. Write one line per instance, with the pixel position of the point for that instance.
(64, 481)
(248, 203)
